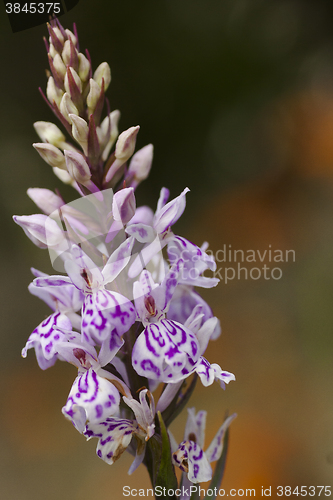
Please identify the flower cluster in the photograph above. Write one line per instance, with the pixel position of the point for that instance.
(125, 309)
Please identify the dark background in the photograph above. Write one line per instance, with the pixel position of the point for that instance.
(237, 98)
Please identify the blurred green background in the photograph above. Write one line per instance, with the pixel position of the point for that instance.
(237, 98)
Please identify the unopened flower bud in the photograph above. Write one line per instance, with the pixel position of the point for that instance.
(93, 96)
(67, 107)
(59, 66)
(64, 176)
(77, 167)
(76, 78)
(106, 136)
(49, 132)
(45, 199)
(53, 92)
(66, 52)
(58, 34)
(52, 155)
(126, 144)
(84, 67)
(56, 38)
(123, 205)
(52, 50)
(42, 230)
(103, 71)
(140, 165)
(80, 131)
(72, 37)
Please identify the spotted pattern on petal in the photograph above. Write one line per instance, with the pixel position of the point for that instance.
(164, 351)
(210, 372)
(45, 337)
(191, 459)
(114, 436)
(105, 312)
(92, 397)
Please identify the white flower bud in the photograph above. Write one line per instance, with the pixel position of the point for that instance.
(67, 107)
(52, 155)
(53, 93)
(123, 205)
(93, 96)
(76, 78)
(58, 34)
(72, 36)
(80, 131)
(140, 164)
(52, 50)
(66, 52)
(126, 144)
(64, 176)
(84, 67)
(114, 116)
(49, 132)
(45, 199)
(59, 65)
(103, 71)
(77, 167)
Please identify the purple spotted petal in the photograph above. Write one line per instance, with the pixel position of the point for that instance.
(196, 425)
(49, 281)
(165, 351)
(210, 372)
(104, 314)
(141, 232)
(91, 398)
(215, 448)
(191, 459)
(64, 297)
(143, 215)
(196, 261)
(45, 337)
(114, 435)
(183, 301)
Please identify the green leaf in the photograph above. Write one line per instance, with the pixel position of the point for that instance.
(165, 477)
(219, 469)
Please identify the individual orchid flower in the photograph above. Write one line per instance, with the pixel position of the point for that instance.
(106, 314)
(94, 395)
(115, 434)
(196, 262)
(157, 234)
(204, 330)
(189, 456)
(64, 301)
(185, 298)
(165, 349)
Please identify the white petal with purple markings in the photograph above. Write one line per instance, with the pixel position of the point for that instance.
(114, 435)
(191, 459)
(91, 398)
(45, 337)
(164, 351)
